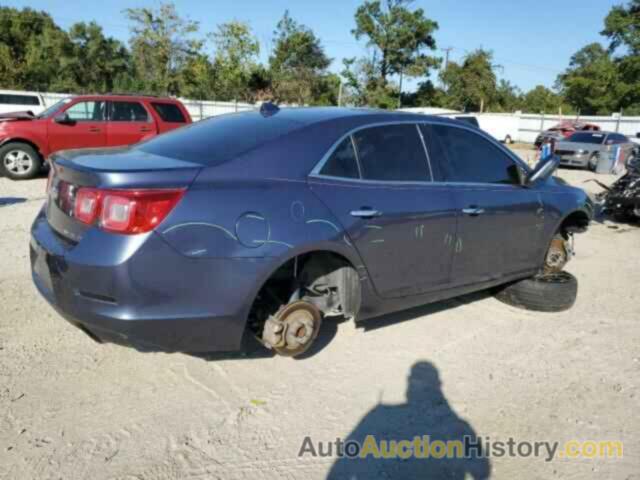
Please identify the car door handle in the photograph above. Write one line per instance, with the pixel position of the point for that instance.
(365, 213)
(94, 130)
(473, 211)
(145, 129)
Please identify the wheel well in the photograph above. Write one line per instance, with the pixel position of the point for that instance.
(576, 222)
(23, 140)
(324, 278)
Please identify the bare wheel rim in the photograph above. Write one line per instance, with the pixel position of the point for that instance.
(17, 162)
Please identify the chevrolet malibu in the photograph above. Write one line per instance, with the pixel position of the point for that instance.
(268, 222)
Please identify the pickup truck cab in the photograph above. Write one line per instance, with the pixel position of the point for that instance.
(88, 121)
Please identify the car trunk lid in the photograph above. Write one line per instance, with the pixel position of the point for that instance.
(109, 170)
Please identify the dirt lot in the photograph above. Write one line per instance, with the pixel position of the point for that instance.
(73, 409)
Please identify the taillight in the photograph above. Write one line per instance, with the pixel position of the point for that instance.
(87, 205)
(125, 211)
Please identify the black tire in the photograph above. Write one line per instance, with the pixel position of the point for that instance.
(554, 292)
(19, 161)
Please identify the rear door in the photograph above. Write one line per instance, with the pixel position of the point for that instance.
(379, 185)
(500, 222)
(86, 127)
(129, 122)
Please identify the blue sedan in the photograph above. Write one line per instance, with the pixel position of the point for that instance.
(270, 222)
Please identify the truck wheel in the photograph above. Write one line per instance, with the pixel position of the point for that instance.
(550, 292)
(19, 161)
(508, 140)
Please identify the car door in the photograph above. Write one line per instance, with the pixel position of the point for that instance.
(377, 182)
(129, 122)
(500, 221)
(84, 126)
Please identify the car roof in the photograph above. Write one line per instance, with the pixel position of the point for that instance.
(314, 115)
(123, 96)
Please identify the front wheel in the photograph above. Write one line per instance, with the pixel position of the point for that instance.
(549, 292)
(19, 161)
(593, 162)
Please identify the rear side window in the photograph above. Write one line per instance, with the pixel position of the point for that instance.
(219, 139)
(392, 153)
(169, 112)
(470, 158)
(128, 112)
(343, 162)
(11, 99)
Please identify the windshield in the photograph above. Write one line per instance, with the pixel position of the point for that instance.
(46, 113)
(587, 137)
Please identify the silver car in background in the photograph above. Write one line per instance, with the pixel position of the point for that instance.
(584, 149)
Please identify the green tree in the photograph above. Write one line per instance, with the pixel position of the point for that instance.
(622, 27)
(162, 43)
(298, 64)
(399, 36)
(31, 48)
(235, 59)
(508, 97)
(94, 62)
(471, 86)
(592, 83)
(364, 87)
(543, 100)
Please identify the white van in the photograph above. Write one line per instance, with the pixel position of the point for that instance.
(14, 101)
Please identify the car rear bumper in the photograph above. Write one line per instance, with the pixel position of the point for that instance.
(155, 299)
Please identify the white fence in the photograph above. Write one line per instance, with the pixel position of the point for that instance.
(521, 127)
(525, 127)
(198, 109)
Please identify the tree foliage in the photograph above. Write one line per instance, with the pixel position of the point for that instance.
(298, 63)
(400, 37)
(168, 54)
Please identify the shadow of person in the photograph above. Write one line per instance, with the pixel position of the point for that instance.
(426, 413)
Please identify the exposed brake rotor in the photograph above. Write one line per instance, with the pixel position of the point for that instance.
(559, 254)
(293, 328)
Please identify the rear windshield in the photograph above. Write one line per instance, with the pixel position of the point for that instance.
(585, 137)
(219, 139)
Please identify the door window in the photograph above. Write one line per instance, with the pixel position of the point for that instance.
(342, 162)
(470, 158)
(128, 112)
(169, 112)
(392, 153)
(86, 111)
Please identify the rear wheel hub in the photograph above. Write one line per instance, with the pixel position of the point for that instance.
(292, 330)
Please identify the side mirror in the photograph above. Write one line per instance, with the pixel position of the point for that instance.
(638, 135)
(543, 170)
(63, 119)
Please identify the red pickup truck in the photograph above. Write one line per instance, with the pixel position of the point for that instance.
(87, 121)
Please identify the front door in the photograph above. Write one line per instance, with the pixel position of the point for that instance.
(500, 222)
(401, 223)
(86, 126)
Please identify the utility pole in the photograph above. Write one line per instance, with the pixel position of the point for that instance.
(400, 95)
(446, 56)
(446, 51)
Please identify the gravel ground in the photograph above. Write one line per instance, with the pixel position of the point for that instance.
(73, 409)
